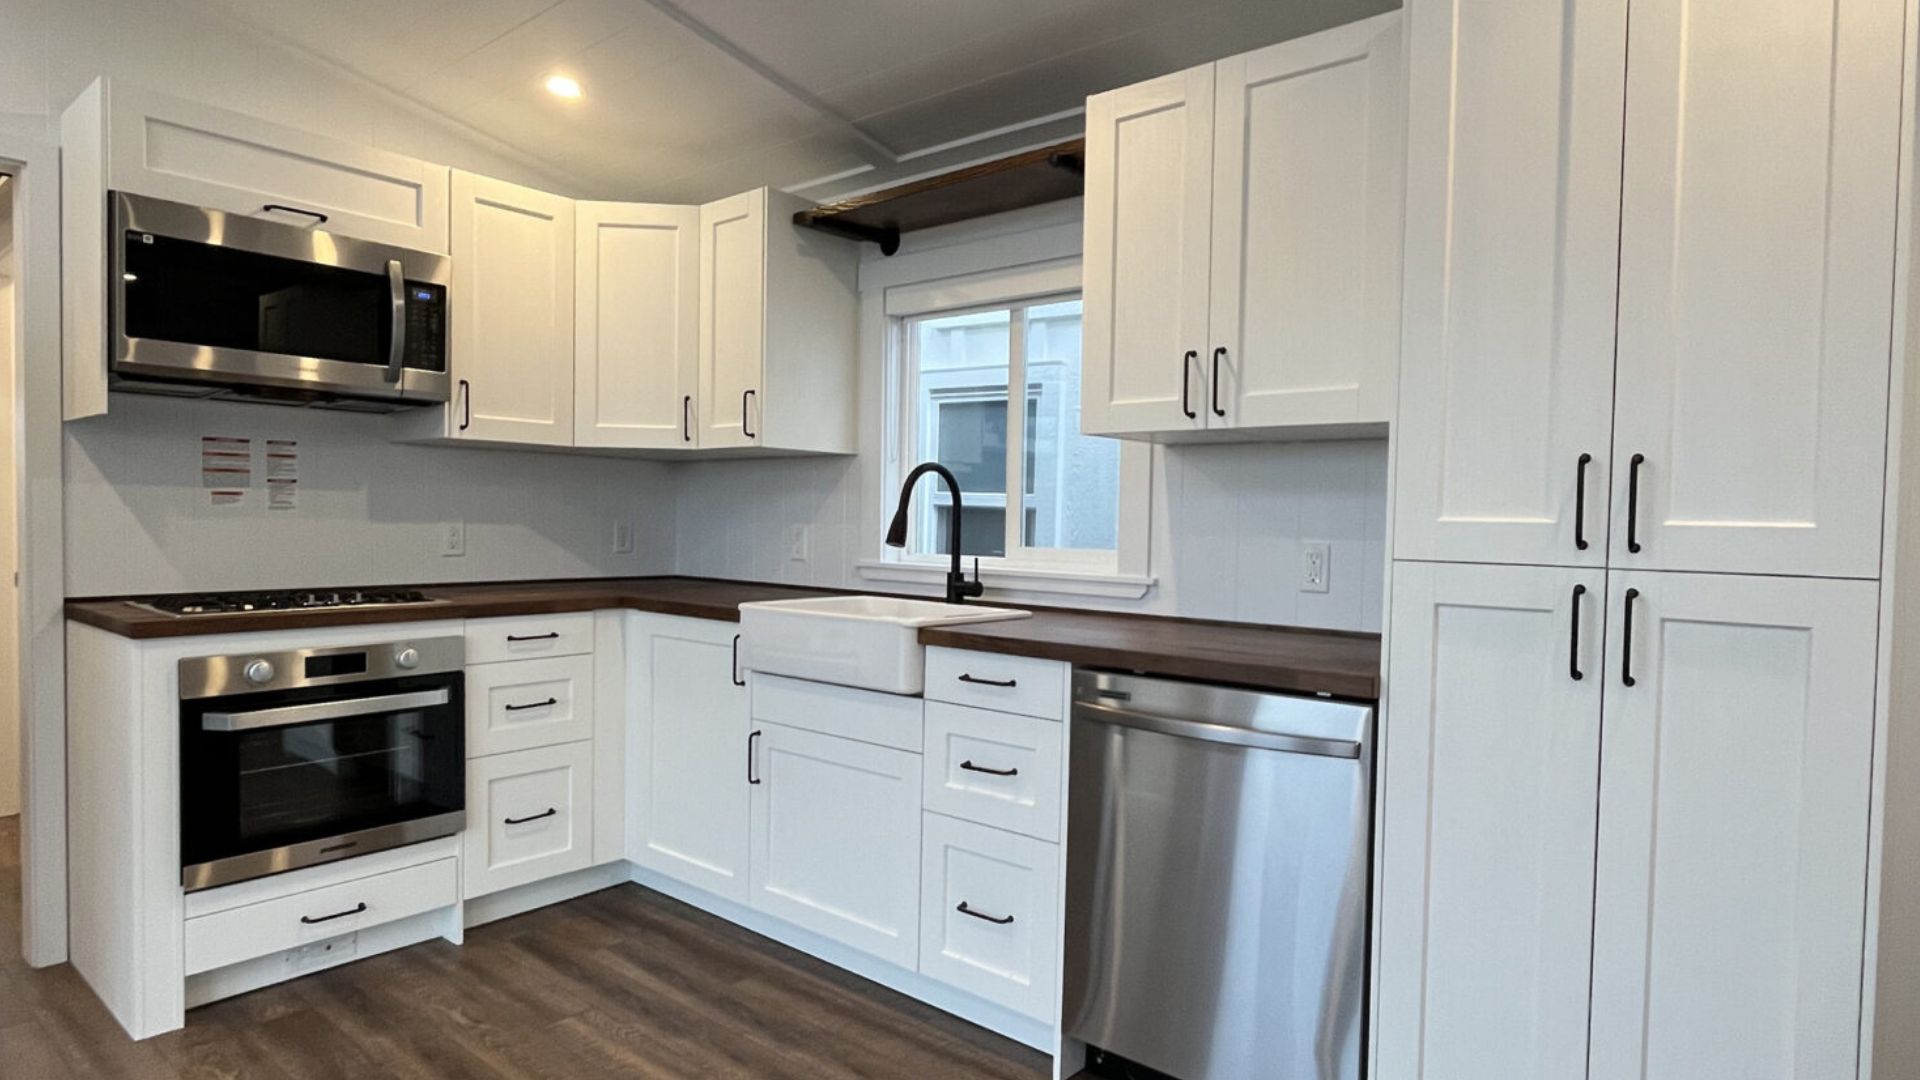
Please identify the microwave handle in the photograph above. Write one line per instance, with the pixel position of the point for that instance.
(286, 715)
(397, 293)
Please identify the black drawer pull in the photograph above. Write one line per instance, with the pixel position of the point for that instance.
(532, 705)
(534, 637)
(1633, 501)
(354, 910)
(1219, 354)
(965, 910)
(734, 672)
(1573, 650)
(989, 682)
(971, 767)
(686, 418)
(1580, 501)
(1186, 384)
(317, 216)
(549, 812)
(751, 778)
(745, 396)
(466, 404)
(1626, 638)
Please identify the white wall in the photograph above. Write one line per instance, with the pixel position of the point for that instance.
(51, 49)
(9, 544)
(370, 511)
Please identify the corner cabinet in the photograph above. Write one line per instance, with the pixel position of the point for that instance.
(636, 312)
(778, 336)
(511, 336)
(1242, 247)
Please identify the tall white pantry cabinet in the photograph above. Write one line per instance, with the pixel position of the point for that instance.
(1638, 684)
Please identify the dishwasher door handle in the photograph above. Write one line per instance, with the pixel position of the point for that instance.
(1217, 733)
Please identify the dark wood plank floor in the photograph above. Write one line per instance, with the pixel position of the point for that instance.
(623, 982)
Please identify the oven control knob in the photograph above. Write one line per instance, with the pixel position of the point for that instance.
(407, 658)
(258, 671)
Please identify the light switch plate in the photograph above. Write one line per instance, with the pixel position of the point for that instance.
(1316, 565)
(623, 538)
(453, 538)
(797, 538)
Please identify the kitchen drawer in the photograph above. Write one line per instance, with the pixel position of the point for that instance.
(989, 914)
(529, 816)
(520, 637)
(1019, 684)
(995, 768)
(528, 704)
(863, 715)
(243, 933)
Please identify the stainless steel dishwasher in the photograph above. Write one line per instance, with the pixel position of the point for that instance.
(1218, 866)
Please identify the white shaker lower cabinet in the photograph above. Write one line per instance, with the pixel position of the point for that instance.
(529, 816)
(836, 839)
(1490, 787)
(687, 754)
(989, 917)
(1735, 779)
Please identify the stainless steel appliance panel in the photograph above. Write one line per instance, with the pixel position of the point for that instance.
(1218, 879)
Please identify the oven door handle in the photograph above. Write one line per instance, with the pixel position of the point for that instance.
(284, 715)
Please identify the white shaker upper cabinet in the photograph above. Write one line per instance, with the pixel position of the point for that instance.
(1307, 150)
(1506, 370)
(1149, 191)
(1487, 871)
(733, 283)
(1757, 241)
(1734, 795)
(512, 321)
(636, 324)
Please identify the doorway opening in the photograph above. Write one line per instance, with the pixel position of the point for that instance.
(11, 778)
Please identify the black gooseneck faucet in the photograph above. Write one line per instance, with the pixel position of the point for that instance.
(958, 587)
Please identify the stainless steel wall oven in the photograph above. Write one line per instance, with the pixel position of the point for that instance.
(306, 756)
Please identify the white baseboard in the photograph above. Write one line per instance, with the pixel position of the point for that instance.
(518, 901)
(995, 1018)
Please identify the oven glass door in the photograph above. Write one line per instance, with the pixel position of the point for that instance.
(268, 771)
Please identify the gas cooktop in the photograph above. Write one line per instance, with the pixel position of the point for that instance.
(239, 603)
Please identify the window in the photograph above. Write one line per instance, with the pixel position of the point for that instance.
(993, 393)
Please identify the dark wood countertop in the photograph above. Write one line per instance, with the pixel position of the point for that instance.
(1269, 657)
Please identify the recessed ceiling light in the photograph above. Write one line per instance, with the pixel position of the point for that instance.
(562, 86)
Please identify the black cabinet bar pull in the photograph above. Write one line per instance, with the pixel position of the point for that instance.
(745, 396)
(1186, 383)
(733, 672)
(1580, 502)
(1219, 354)
(547, 813)
(989, 682)
(466, 404)
(354, 910)
(1573, 650)
(531, 705)
(534, 637)
(971, 767)
(1633, 503)
(686, 418)
(314, 214)
(965, 910)
(751, 778)
(1626, 638)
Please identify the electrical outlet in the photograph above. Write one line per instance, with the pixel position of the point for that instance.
(453, 538)
(321, 954)
(1316, 565)
(623, 538)
(797, 538)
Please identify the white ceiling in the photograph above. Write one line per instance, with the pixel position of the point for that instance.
(687, 100)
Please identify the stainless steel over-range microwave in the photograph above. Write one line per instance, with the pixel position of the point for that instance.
(208, 303)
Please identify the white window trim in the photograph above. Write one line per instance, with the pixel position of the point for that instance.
(957, 285)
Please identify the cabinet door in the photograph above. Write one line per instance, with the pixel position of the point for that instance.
(733, 314)
(1734, 785)
(836, 839)
(529, 816)
(636, 323)
(1307, 149)
(1148, 226)
(512, 313)
(687, 760)
(1491, 751)
(1762, 162)
(1513, 196)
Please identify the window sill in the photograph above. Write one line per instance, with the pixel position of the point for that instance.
(1016, 579)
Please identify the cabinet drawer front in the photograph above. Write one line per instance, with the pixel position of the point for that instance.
(529, 816)
(518, 637)
(1020, 684)
(206, 156)
(528, 704)
(989, 920)
(242, 933)
(863, 715)
(995, 768)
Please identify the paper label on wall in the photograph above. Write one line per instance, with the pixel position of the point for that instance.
(283, 460)
(282, 493)
(227, 498)
(226, 462)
